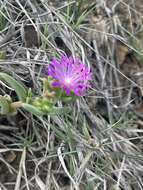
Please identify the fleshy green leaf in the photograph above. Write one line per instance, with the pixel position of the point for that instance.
(19, 88)
(32, 109)
(4, 106)
(59, 111)
(2, 55)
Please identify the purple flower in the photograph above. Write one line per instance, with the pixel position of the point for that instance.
(70, 74)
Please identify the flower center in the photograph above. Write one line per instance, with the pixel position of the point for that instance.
(68, 81)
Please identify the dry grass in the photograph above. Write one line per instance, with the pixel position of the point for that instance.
(98, 146)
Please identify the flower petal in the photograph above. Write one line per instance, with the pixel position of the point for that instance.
(56, 84)
(69, 68)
